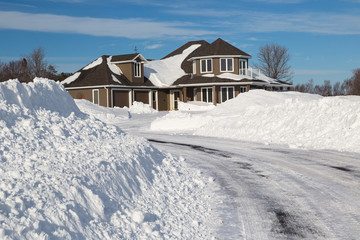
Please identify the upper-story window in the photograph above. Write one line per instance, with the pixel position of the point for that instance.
(226, 64)
(206, 65)
(242, 67)
(137, 69)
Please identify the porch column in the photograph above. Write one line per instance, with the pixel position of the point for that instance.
(184, 91)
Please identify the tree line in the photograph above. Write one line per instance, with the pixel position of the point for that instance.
(349, 86)
(30, 66)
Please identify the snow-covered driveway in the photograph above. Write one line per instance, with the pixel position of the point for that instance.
(269, 192)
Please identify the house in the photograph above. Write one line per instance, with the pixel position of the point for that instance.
(196, 71)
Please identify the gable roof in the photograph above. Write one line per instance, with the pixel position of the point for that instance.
(101, 72)
(127, 58)
(219, 48)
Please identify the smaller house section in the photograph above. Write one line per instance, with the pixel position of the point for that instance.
(113, 81)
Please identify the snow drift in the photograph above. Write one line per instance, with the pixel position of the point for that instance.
(295, 119)
(65, 175)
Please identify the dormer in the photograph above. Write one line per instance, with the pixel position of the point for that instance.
(131, 65)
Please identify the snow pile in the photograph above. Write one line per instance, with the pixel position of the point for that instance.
(165, 72)
(295, 119)
(108, 115)
(64, 175)
(139, 107)
(195, 106)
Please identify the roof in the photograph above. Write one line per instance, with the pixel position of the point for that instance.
(219, 48)
(101, 72)
(127, 57)
(189, 79)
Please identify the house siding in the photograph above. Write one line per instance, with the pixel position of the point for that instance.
(87, 95)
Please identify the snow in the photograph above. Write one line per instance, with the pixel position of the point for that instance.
(72, 78)
(295, 119)
(94, 63)
(165, 72)
(113, 67)
(141, 108)
(108, 115)
(195, 106)
(66, 175)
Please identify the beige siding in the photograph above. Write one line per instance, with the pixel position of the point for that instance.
(87, 94)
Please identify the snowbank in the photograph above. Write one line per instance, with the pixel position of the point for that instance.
(296, 119)
(195, 106)
(139, 107)
(108, 115)
(65, 175)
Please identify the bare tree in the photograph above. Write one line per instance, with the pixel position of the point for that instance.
(355, 82)
(273, 61)
(37, 66)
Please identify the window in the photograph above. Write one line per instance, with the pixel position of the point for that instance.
(206, 65)
(242, 67)
(226, 64)
(242, 89)
(95, 95)
(207, 95)
(227, 93)
(137, 69)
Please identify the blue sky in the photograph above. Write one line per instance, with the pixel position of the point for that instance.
(323, 37)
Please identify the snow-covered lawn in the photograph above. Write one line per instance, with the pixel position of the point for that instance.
(245, 169)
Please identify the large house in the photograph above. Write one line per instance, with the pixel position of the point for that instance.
(197, 71)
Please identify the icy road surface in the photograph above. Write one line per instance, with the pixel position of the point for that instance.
(272, 192)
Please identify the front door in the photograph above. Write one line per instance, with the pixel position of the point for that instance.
(174, 99)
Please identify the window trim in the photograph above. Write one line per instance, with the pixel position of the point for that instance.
(227, 93)
(245, 89)
(137, 65)
(207, 94)
(246, 66)
(227, 65)
(206, 65)
(98, 96)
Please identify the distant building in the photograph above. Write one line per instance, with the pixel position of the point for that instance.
(197, 71)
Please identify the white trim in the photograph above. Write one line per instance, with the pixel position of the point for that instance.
(194, 66)
(132, 60)
(226, 64)
(206, 65)
(172, 99)
(107, 97)
(220, 56)
(246, 67)
(156, 99)
(227, 92)
(241, 87)
(135, 66)
(98, 96)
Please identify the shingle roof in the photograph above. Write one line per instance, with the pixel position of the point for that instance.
(124, 57)
(101, 74)
(219, 47)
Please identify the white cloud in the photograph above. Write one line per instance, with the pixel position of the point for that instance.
(260, 22)
(318, 72)
(154, 46)
(135, 28)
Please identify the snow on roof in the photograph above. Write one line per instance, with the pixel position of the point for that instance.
(165, 72)
(70, 79)
(113, 67)
(94, 63)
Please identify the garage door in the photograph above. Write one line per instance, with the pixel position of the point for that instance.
(141, 96)
(121, 98)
